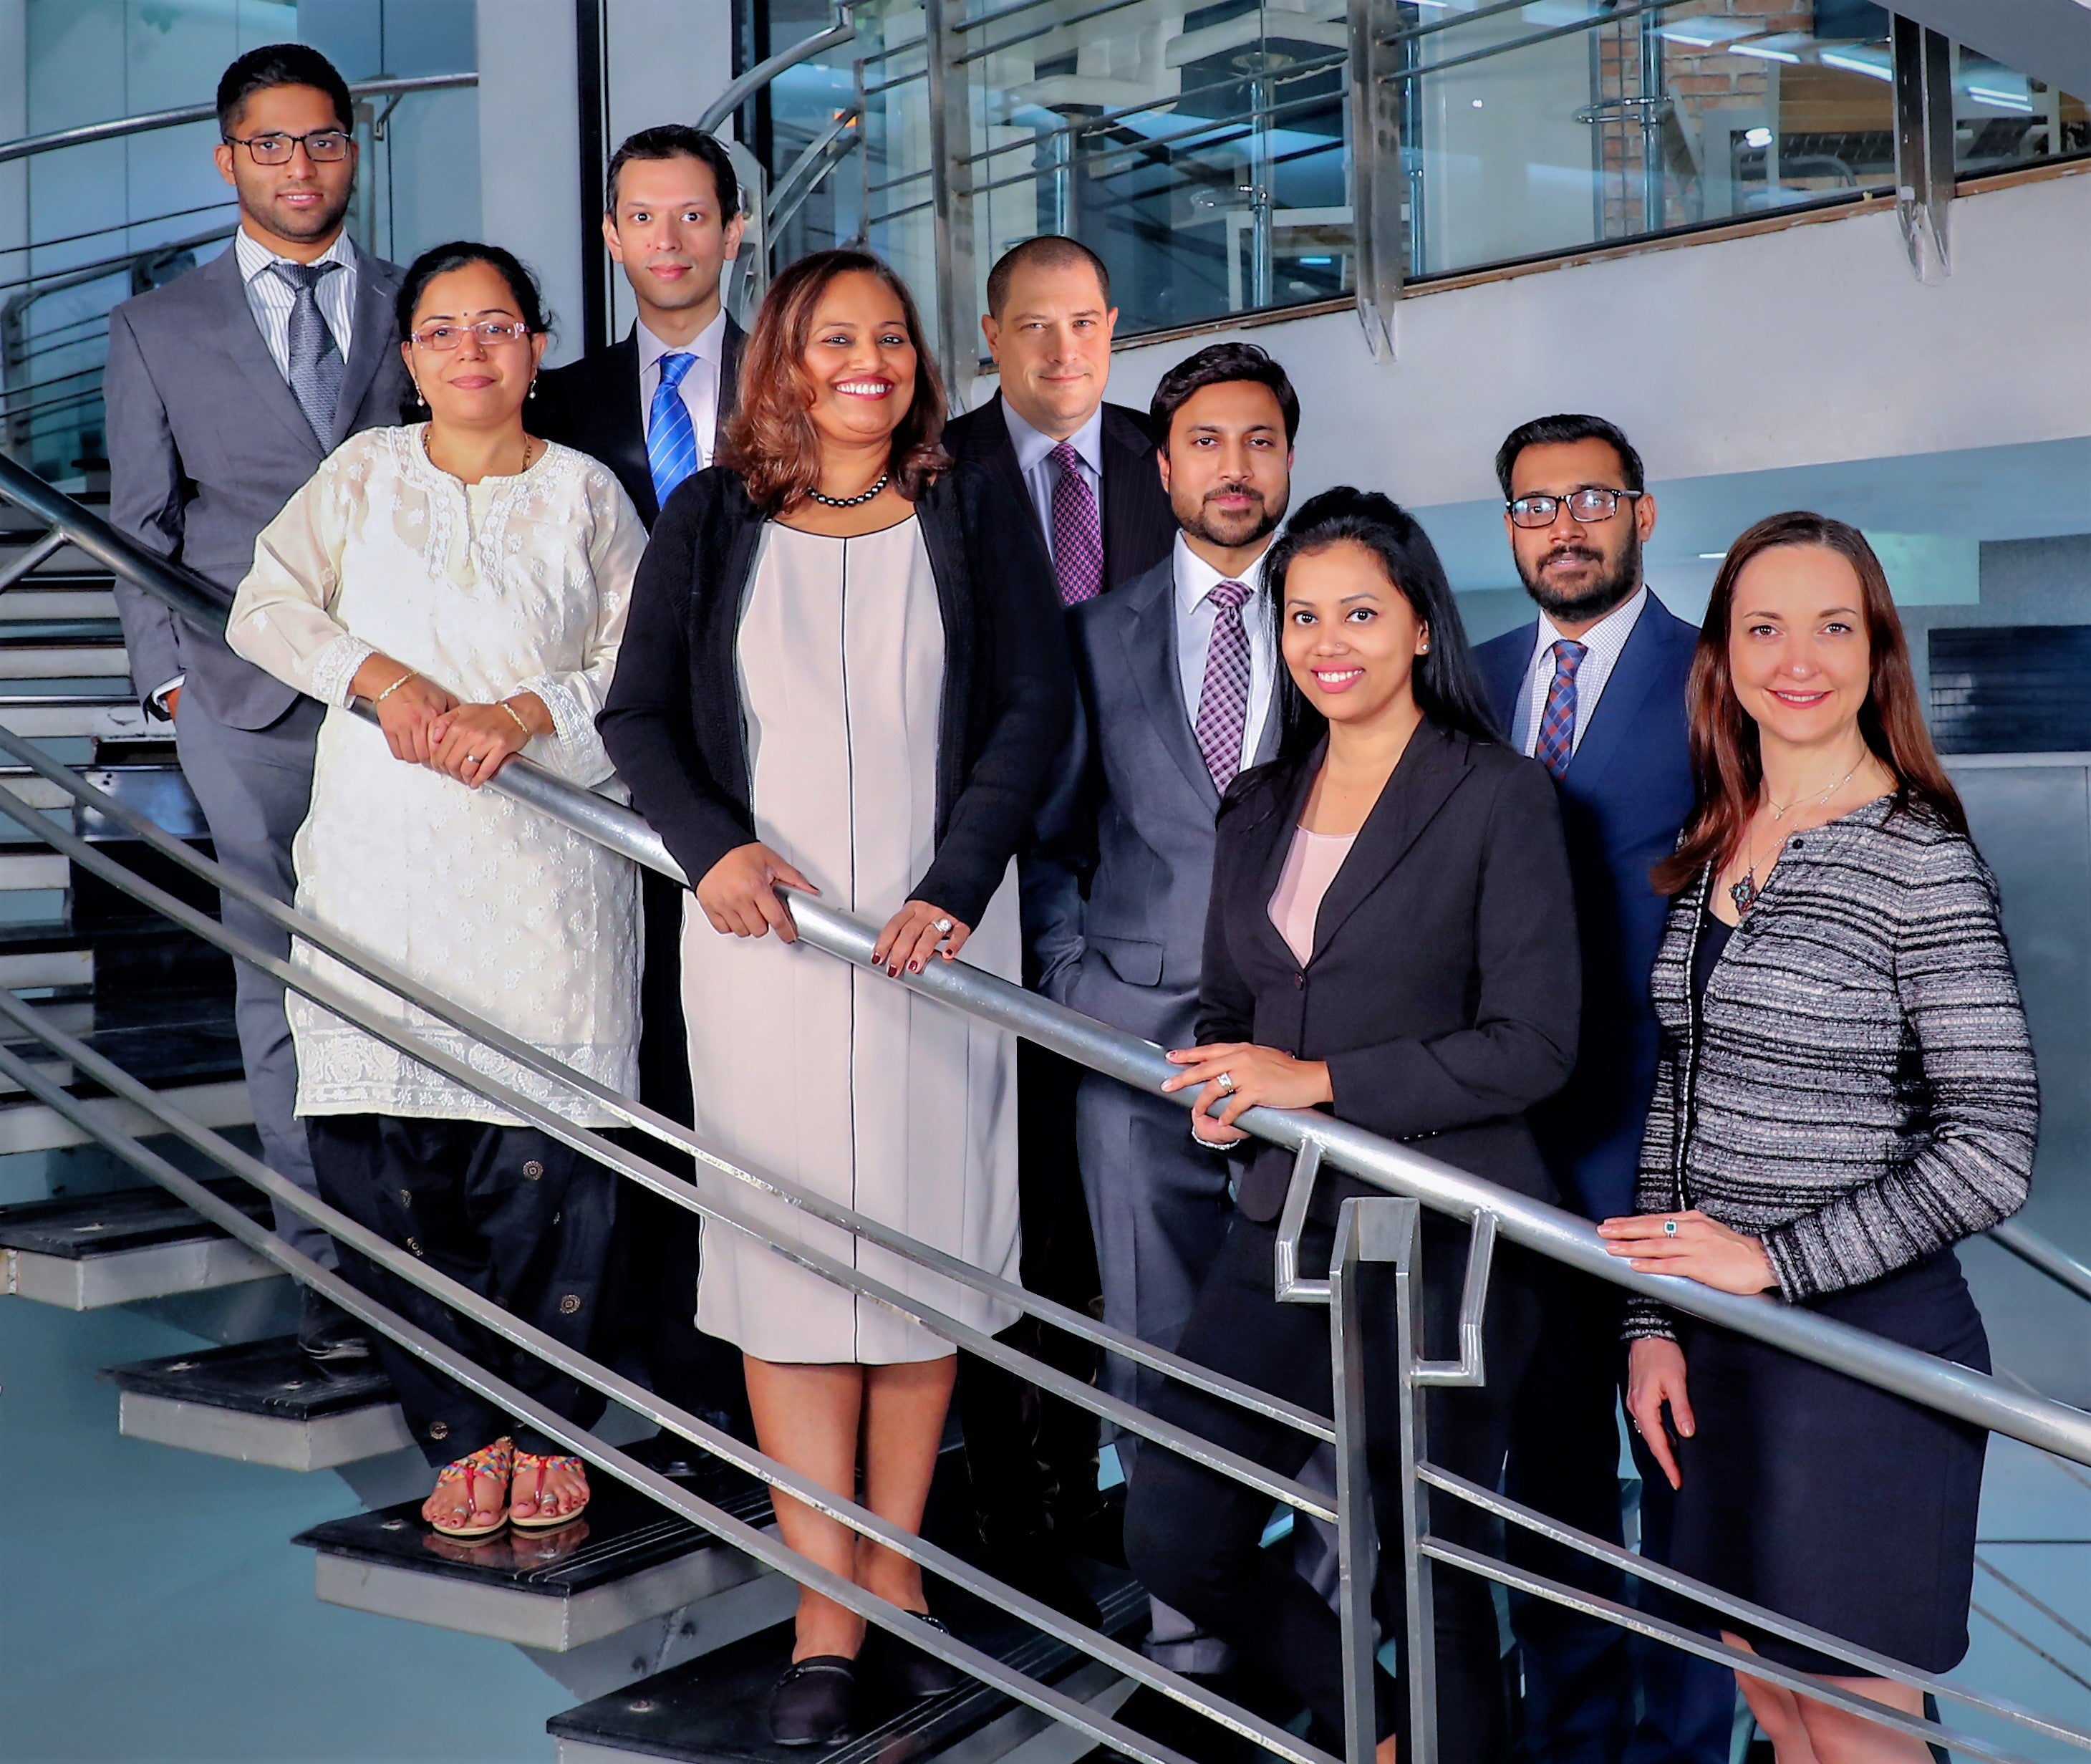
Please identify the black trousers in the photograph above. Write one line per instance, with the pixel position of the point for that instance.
(1032, 1458)
(1193, 1535)
(507, 1211)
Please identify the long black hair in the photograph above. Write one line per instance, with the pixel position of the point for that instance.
(1447, 684)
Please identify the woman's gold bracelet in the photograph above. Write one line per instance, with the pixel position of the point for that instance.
(411, 674)
(518, 715)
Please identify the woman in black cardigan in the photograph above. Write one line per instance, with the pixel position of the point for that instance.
(1392, 939)
(842, 676)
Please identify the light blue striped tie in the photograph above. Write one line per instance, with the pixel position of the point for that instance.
(671, 438)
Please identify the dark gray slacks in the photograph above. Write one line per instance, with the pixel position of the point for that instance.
(255, 786)
(508, 1211)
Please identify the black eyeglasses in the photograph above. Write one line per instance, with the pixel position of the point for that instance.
(1589, 506)
(327, 146)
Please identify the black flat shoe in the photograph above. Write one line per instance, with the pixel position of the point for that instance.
(327, 1332)
(905, 1670)
(815, 1701)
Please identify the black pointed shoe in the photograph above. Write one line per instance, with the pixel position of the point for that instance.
(815, 1701)
(904, 1671)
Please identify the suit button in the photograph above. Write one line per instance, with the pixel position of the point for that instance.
(570, 1304)
(439, 1430)
(406, 1197)
(533, 1169)
(1300, 982)
(414, 1245)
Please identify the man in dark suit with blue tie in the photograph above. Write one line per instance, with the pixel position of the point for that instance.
(1594, 689)
(225, 389)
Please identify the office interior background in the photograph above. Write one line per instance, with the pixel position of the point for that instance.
(1688, 217)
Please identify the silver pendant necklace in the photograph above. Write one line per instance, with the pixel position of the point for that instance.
(1746, 893)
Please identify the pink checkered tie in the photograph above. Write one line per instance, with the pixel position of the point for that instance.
(1078, 541)
(1223, 702)
(1556, 745)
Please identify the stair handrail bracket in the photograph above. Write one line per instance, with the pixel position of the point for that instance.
(1379, 1227)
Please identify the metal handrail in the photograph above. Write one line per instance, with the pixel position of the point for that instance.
(1551, 1231)
(23, 146)
(842, 31)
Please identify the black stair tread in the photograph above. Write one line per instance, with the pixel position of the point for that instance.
(713, 1709)
(622, 1533)
(273, 1378)
(76, 1227)
(74, 633)
(160, 1041)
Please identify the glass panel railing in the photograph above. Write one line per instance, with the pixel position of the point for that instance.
(2003, 119)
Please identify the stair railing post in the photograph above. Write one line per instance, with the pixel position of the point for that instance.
(951, 191)
(1379, 184)
(1924, 147)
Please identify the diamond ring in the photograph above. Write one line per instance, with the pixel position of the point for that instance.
(941, 926)
(1226, 1081)
(1669, 1227)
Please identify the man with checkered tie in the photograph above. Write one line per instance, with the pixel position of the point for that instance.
(1175, 671)
(1594, 688)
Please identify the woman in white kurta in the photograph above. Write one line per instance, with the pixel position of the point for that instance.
(472, 582)
(847, 672)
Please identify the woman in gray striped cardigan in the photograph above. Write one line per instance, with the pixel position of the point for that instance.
(1846, 1090)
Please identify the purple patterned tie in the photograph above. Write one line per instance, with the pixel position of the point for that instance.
(1556, 745)
(1078, 543)
(1224, 703)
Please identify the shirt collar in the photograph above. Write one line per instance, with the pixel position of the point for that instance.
(708, 345)
(1032, 447)
(1609, 635)
(254, 257)
(1195, 578)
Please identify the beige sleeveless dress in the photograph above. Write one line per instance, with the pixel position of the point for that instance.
(827, 1074)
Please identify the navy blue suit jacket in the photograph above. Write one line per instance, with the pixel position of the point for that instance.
(1624, 796)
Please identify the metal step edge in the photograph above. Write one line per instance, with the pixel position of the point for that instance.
(320, 1443)
(554, 1621)
(34, 1127)
(127, 1276)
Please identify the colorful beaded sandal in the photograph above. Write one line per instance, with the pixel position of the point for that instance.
(496, 1462)
(544, 1521)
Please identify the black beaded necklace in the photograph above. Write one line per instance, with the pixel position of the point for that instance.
(852, 501)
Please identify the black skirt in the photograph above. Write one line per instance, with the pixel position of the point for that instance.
(1828, 1501)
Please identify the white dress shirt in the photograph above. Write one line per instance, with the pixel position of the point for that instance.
(271, 299)
(1195, 614)
(699, 387)
(1034, 460)
(1603, 641)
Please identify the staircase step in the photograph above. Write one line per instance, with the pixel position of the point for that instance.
(113, 960)
(93, 1250)
(713, 1709)
(54, 715)
(67, 560)
(625, 1561)
(42, 595)
(63, 648)
(261, 1401)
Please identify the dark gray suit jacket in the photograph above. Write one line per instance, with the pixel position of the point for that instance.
(206, 444)
(1132, 814)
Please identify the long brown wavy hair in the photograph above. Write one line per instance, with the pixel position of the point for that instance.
(1726, 762)
(770, 440)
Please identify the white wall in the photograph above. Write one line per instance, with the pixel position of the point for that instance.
(529, 143)
(1796, 347)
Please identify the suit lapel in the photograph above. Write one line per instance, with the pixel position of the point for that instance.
(1150, 651)
(1122, 463)
(1427, 773)
(1618, 708)
(1276, 833)
(623, 445)
(996, 449)
(729, 383)
(243, 341)
(1504, 669)
(374, 335)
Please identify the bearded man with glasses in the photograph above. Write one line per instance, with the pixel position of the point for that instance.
(225, 389)
(1594, 689)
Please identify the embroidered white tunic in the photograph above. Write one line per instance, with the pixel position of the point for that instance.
(515, 584)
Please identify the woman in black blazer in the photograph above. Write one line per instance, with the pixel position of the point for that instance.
(1392, 939)
(841, 675)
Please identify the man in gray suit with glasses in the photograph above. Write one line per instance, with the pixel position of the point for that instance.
(225, 391)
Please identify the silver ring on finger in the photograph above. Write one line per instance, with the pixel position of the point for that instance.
(1669, 1227)
(1226, 1081)
(941, 927)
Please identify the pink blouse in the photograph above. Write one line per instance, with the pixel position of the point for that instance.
(1310, 866)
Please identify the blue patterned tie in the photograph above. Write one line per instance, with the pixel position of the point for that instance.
(671, 437)
(1556, 745)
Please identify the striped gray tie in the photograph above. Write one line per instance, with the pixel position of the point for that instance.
(316, 363)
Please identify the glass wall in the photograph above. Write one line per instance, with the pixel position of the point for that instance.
(1204, 150)
(106, 219)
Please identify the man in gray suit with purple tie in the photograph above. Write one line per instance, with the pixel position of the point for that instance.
(225, 391)
(1176, 673)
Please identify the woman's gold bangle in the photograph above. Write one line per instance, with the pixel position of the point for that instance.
(411, 674)
(518, 715)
